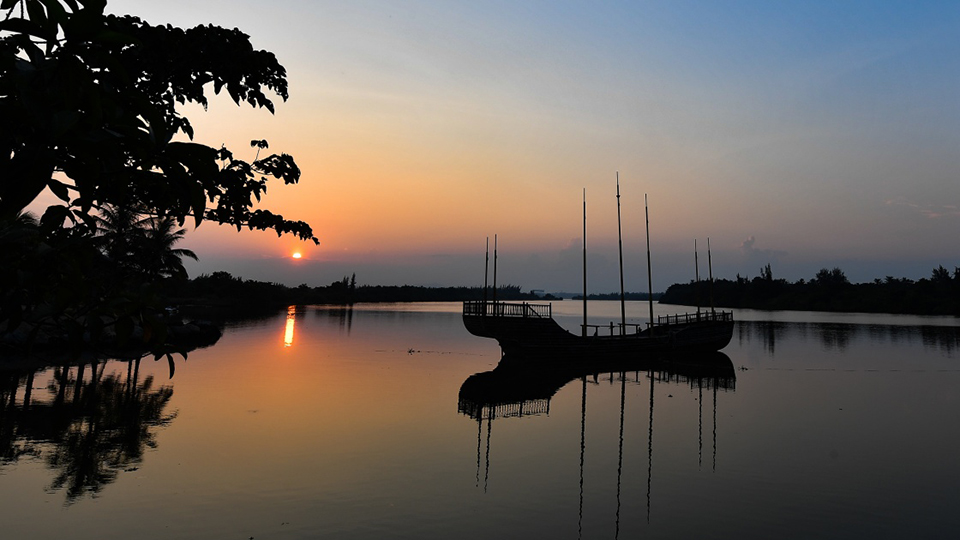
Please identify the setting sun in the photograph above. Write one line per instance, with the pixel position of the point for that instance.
(297, 255)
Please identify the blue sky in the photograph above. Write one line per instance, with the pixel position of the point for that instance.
(803, 134)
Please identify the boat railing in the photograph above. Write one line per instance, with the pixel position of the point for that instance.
(482, 308)
(700, 316)
(612, 329)
(490, 411)
(620, 329)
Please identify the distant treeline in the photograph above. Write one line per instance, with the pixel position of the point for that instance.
(221, 290)
(616, 296)
(829, 290)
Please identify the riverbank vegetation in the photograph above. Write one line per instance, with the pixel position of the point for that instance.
(220, 293)
(828, 290)
(616, 296)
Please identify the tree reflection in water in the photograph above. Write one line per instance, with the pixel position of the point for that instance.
(87, 428)
(838, 336)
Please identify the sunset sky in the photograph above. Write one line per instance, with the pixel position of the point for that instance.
(800, 134)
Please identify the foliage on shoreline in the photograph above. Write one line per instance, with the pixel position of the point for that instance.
(223, 291)
(616, 296)
(829, 290)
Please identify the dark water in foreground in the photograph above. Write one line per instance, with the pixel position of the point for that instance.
(348, 424)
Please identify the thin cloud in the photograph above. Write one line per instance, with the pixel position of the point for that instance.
(931, 211)
(750, 251)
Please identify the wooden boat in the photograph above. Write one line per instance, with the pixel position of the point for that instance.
(529, 330)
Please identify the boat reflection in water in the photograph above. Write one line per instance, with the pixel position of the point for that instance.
(519, 387)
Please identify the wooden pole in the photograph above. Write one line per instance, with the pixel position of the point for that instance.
(494, 274)
(710, 267)
(486, 271)
(646, 209)
(623, 309)
(696, 264)
(584, 261)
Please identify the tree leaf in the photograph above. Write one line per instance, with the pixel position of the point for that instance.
(59, 189)
(54, 217)
(55, 11)
(22, 26)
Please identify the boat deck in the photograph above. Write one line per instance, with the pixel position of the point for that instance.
(530, 328)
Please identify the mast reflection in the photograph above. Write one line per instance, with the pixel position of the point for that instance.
(520, 387)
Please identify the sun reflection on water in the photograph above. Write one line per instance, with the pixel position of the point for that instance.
(288, 331)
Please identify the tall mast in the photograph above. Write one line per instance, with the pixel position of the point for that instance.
(646, 210)
(494, 274)
(486, 271)
(696, 264)
(623, 309)
(710, 267)
(584, 261)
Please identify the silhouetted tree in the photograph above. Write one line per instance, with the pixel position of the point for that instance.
(831, 278)
(830, 290)
(121, 233)
(94, 97)
(165, 260)
(89, 107)
(940, 275)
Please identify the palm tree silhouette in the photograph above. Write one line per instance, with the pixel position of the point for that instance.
(141, 243)
(121, 233)
(162, 235)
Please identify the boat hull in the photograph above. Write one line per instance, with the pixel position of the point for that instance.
(543, 337)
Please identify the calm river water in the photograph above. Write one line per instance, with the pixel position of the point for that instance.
(334, 423)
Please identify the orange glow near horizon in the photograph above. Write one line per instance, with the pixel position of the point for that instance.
(398, 169)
